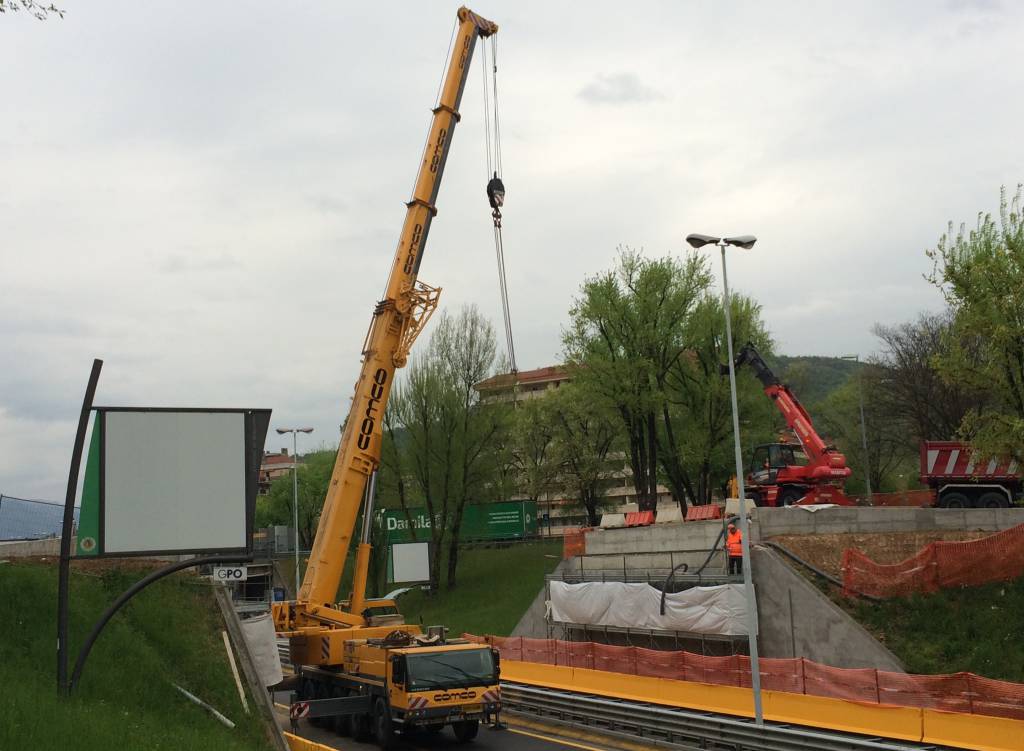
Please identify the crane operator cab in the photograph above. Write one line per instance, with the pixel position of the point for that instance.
(770, 465)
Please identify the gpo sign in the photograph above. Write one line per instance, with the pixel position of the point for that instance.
(230, 573)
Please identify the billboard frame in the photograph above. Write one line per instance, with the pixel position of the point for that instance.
(256, 423)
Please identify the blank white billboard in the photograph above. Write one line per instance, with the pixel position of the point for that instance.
(410, 562)
(173, 481)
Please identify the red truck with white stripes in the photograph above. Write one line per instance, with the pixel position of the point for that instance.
(961, 477)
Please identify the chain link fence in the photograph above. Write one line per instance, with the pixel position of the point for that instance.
(24, 519)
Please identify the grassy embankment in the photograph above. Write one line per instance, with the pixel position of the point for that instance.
(977, 629)
(170, 633)
(495, 587)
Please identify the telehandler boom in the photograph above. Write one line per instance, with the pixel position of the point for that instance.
(782, 474)
(359, 665)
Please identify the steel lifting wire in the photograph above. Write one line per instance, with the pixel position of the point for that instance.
(496, 188)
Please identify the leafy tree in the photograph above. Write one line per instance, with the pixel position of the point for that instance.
(699, 399)
(908, 385)
(887, 450)
(40, 11)
(583, 433)
(466, 348)
(624, 337)
(314, 475)
(981, 275)
(448, 439)
(533, 446)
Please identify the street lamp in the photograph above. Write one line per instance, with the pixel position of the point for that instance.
(746, 242)
(863, 428)
(295, 492)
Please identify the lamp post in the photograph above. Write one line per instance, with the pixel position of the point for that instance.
(746, 242)
(863, 426)
(295, 492)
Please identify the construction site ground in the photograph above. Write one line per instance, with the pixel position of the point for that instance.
(826, 550)
(973, 629)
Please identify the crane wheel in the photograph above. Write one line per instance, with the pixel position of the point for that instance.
(383, 727)
(466, 730)
(954, 500)
(789, 496)
(993, 500)
(362, 728)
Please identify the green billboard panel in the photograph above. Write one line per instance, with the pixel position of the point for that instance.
(480, 521)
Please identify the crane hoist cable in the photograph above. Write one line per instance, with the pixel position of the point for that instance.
(496, 188)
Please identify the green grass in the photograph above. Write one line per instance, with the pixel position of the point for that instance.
(169, 633)
(495, 587)
(976, 629)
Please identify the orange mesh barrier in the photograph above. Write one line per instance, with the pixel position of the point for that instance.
(856, 684)
(938, 565)
(958, 692)
(700, 513)
(904, 498)
(574, 543)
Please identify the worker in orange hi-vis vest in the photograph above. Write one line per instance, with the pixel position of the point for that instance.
(734, 547)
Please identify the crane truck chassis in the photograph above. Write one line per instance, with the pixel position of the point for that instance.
(358, 665)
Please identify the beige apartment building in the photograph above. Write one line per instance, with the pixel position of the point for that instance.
(563, 511)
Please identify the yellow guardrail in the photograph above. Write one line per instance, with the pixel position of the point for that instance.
(970, 731)
(295, 743)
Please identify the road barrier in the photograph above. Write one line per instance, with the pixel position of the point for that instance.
(637, 699)
(938, 565)
(297, 743)
(963, 693)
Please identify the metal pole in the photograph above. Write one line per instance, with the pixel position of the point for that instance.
(864, 437)
(64, 572)
(295, 504)
(748, 586)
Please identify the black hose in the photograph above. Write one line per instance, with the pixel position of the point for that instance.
(685, 567)
(815, 570)
(714, 549)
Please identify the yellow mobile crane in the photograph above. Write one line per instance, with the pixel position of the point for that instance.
(359, 666)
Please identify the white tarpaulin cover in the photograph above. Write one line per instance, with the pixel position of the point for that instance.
(259, 635)
(701, 610)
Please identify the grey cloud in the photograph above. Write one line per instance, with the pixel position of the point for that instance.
(327, 204)
(177, 263)
(618, 88)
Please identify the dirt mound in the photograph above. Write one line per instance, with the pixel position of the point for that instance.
(826, 551)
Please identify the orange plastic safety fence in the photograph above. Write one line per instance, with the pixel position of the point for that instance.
(938, 565)
(958, 692)
(574, 543)
(904, 498)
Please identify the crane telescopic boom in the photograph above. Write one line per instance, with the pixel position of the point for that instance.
(397, 320)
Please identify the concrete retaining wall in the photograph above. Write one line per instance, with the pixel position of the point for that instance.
(634, 562)
(796, 620)
(770, 522)
(693, 536)
(27, 548)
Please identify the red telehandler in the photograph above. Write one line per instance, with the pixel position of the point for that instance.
(784, 474)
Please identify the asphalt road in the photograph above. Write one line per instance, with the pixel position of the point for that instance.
(515, 738)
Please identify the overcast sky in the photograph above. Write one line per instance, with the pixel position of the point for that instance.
(208, 195)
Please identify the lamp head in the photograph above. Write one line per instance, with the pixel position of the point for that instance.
(699, 241)
(282, 431)
(305, 430)
(743, 241)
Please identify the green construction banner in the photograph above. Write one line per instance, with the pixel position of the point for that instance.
(89, 515)
(505, 520)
